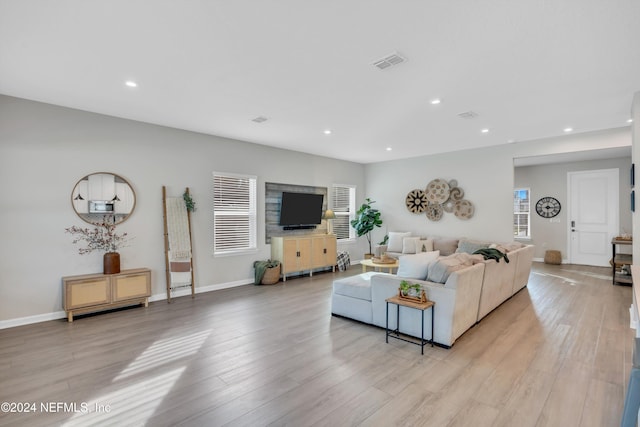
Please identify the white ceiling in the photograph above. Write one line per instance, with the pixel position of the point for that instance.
(528, 68)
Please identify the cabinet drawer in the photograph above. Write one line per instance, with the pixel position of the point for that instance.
(134, 286)
(85, 293)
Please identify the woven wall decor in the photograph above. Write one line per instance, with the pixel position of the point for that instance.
(440, 197)
(434, 211)
(416, 201)
(437, 191)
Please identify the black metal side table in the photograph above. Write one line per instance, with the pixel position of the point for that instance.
(422, 306)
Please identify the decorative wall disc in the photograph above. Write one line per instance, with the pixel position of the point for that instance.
(437, 191)
(434, 211)
(463, 209)
(453, 183)
(416, 201)
(456, 194)
(448, 206)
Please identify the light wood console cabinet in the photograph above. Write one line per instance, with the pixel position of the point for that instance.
(304, 252)
(96, 292)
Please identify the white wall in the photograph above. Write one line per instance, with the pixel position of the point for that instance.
(45, 150)
(551, 180)
(486, 175)
(635, 155)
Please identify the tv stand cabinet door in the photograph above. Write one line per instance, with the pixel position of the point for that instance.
(289, 255)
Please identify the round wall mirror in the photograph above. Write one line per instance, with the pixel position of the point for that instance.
(103, 197)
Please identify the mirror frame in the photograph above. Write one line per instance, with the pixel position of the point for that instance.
(86, 217)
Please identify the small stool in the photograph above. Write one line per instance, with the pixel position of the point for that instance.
(552, 257)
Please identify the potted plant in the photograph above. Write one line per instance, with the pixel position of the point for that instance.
(367, 218)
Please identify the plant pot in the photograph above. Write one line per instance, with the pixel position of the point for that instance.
(368, 256)
(111, 263)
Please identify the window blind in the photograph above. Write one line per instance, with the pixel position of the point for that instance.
(343, 205)
(234, 213)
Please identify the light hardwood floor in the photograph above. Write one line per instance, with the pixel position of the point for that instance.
(556, 354)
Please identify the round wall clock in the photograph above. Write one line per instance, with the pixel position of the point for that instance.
(548, 207)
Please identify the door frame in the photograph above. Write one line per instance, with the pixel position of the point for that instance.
(616, 172)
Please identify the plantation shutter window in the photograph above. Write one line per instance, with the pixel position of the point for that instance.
(234, 213)
(343, 205)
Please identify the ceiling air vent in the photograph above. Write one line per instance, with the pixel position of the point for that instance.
(259, 119)
(468, 115)
(389, 61)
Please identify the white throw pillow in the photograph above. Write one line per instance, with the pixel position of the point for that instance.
(410, 245)
(416, 266)
(424, 245)
(394, 244)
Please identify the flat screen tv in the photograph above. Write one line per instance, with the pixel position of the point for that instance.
(300, 209)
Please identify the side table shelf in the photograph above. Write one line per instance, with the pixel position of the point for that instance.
(621, 263)
(96, 292)
(422, 306)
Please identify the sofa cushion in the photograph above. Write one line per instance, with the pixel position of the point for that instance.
(507, 247)
(440, 270)
(394, 244)
(416, 266)
(470, 246)
(445, 246)
(358, 286)
(410, 245)
(424, 245)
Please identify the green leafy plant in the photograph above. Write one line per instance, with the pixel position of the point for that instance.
(367, 218)
(188, 201)
(406, 288)
(385, 240)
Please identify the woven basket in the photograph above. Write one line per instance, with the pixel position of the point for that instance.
(552, 257)
(271, 276)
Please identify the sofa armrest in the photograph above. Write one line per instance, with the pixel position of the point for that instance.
(386, 286)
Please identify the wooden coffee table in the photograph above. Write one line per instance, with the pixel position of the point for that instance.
(378, 266)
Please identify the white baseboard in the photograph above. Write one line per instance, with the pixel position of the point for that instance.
(564, 261)
(200, 289)
(20, 321)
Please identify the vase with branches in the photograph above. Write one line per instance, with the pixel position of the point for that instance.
(103, 238)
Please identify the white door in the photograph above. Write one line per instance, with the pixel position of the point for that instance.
(593, 214)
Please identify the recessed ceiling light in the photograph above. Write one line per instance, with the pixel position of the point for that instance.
(568, 129)
(485, 130)
(389, 148)
(436, 101)
(260, 119)
(131, 83)
(630, 121)
(327, 131)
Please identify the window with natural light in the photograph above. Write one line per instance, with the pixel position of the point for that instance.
(343, 204)
(234, 214)
(521, 213)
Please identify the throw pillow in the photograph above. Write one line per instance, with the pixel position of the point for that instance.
(440, 270)
(394, 244)
(416, 266)
(445, 246)
(470, 246)
(410, 245)
(424, 245)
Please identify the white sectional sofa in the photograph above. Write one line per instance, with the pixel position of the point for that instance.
(471, 288)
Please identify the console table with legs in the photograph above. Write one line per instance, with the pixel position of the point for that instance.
(416, 305)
